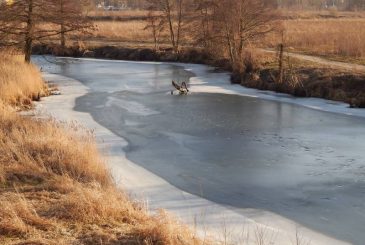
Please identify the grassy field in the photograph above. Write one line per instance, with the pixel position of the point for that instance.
(122, 31)
(324, 37)
(55, 187)
(323, 14)
(122, 13)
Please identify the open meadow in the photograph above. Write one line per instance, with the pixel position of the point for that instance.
(335, 38)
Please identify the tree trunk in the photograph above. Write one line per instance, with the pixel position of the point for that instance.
(229, 45)
(28, 49)
(281, 65)
(155, 36)
(63, 29)
(63, 37)
(29, 33)
(169, 19)
(179, 26)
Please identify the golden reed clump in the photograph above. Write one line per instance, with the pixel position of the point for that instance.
(20, 83)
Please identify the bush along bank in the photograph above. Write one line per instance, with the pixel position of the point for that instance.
(298, 79)
(189, 55)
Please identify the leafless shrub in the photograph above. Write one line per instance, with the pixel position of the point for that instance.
(231, 26)
(156, 24)
(173, 16)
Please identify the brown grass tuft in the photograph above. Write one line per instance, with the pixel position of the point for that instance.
(18, 217)
(44, 147)
(95, 204)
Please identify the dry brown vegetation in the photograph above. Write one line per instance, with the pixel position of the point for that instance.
(324, 37)
(322, 14)
(304, 79)
(55, 187)
(123, 13)
(122, 30)
(19, 82)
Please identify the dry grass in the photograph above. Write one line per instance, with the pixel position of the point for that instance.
(122, 30)
(133, 31)
(322, 14)
(324, 37)
(121, 13)
(19, 82)
(307, 79)
(56, 189)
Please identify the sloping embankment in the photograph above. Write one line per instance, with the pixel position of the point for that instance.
(54, 185)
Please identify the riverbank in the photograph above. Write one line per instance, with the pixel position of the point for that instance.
(53, 193)
(305, 77)
(300, 78)
(55, 187)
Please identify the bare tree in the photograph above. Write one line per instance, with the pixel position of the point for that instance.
(203, 22)
(18, 21)
(241, 22)
(173, 14)
(69, 16)
(22, 22)
(155, 25)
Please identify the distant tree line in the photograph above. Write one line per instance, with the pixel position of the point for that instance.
(349, 5)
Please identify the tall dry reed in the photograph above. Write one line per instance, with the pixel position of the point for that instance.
(19, 82)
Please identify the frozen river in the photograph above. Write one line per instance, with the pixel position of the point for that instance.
(243, 152)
